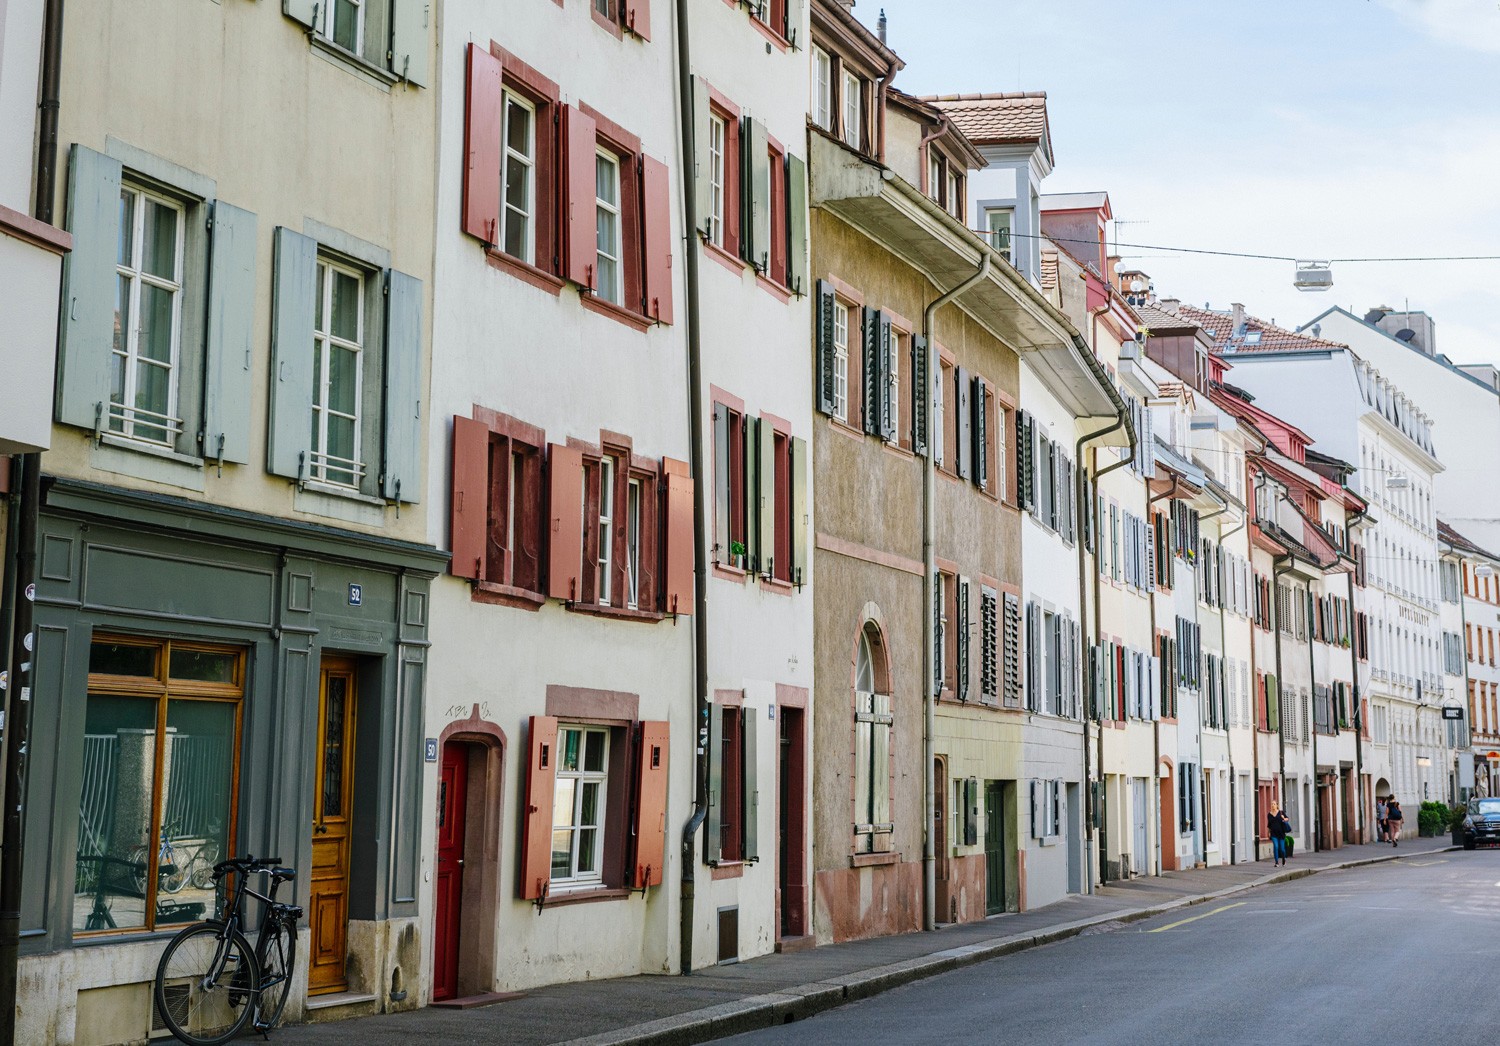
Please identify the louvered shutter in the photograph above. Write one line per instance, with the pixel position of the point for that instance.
(755, 190)
(580, 233)
(651, 805)
(1036, 821)
(410, 23)
(824, 320)
(470, 507)
(1025, 464)
(801, 524)
(749, 788)
(89, 290)
(981, 435)
(713, 827)
(228, 380)
(989, 679)
(401, 421)
(289, 439)
(887, 382)
(483, 119)
(964, 423)
(961, 688)
(564, 521)
(657, 241)
(939, 661)
(796, 220)
(874, 372)
(921, 394)
(1011, 653)
(536, 821)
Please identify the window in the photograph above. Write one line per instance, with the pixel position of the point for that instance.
(943, 596)
(822, 103)
(899, 348)
(343, 22)
(607, 275)
(518, 191)
(997, 223)
(954, 198)
(853, 112)
(148, 305)
(338, 341)
(939, 424)
(733, 796)
(872, 747)
(717, 146)
(160, 759)
(633, 544)
(841, 361)
(603, 586)
(578, 804)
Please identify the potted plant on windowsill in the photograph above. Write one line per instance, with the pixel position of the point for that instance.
(737, 554)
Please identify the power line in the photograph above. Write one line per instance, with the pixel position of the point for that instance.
(1261, 257)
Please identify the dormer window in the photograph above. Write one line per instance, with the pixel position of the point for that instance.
(997, 223)
(945, 184)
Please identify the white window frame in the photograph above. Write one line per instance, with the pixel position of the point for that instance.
(528, 162)
(893, 364)
(130, 360)
(604, 580)
(853, 109)
(633, 494)
(718, 140)
(318, 457)
(822, 88)
(955, 207)
(935, 176)
(1007, 252)
(840, 361)
(935, 437)
(582, 777)
(609, 212)
(328, 26)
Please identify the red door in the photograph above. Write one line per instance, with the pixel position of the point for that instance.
(452, 786)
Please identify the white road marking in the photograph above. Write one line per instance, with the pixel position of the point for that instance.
(1375, 908)
(1195, 918)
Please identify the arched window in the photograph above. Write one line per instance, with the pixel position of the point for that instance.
(872, 744)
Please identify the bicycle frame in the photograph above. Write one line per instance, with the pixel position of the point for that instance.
(234, 918)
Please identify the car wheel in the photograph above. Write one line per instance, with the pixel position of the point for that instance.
(1469, 844)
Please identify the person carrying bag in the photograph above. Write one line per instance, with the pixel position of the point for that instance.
(1280, 830)
(1393, 816)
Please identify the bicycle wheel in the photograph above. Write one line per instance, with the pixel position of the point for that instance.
(196, 1011)
(171, 872)
(276, 954)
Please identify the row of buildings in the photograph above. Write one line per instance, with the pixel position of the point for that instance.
(608, 487)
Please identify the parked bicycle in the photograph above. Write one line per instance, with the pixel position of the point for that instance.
(210, 983)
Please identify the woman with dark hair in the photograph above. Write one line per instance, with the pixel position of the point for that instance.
(1393, 819)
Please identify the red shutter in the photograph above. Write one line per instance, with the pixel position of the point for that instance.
(656, 203)
(564, 521)
(482, 146)
(4, 473)
(651, 806)
(679, 553)
(471, 482)
(536, 823)
(638, 17)
(580, 222)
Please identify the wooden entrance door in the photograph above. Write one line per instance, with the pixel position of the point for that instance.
(328, 915)
(453, 783)
(1167, 825)
(791, 775)
(994, 848)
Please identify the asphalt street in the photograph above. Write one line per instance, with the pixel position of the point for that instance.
(1405, 952)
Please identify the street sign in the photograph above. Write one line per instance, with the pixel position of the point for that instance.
(1453, 713)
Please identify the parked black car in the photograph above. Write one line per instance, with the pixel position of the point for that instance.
(1481, 822)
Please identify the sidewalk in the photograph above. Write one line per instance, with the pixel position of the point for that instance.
(772, 989)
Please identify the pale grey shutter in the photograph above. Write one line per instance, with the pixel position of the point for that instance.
(410, 20)
(766, 451)
(750, 792)
(796, 221)
(750, 496)
(713, 828)
(801, 525)
(1033, 662)
(921, 394)
(721, 483)
(227, 379)
(963, 423)
(89, 289)
(1036, 822)
(702, 179)
(304, 11)
(756, 229)
(794, 23)
(401, 473)
(290, 433)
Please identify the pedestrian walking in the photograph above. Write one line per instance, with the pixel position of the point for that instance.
(1380, 818)
(1393, 819)
(1279, 827)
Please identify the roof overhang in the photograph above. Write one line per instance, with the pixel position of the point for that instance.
(895, 214)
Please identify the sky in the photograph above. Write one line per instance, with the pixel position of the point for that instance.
(1314, 129)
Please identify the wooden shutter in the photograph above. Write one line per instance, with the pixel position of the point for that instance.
(964, 423)
(680, 553)
(304, 11)
(1011, 653)
(981, 434)
(401, 471)
(755, 190)
(651, 805)
(1033, 663)
(702, 168)
(469, 515)
(961, 592)
(796, 224)
(656, 205)
(1036, 821)
(290, 434)
(766, 496)
(536, 820)
(581, 197)
(721, 483)
(874, 372)
(921, 394)
(989, 628)
(1057, 805)
(637, 17)
(713, 828)
(483, 120)
(750, 788)
(89, 289)
(750, 496)
(564, 522)
(824, 337)
(227, 378)
(1025, 463)
(410, 20)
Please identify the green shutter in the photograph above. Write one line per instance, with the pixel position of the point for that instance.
(410, 22)
(921, 394)
(289, 437)
(823, 338)
(766, 496)
(89, 289)
(801, 525)
(750, 791)
(796, 224)
(981, 435)
(713, 834)
(227, 378)
(874, 372)
(401, 471)
(702, 172)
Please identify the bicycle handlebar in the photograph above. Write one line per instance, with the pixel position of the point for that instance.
(247, 864)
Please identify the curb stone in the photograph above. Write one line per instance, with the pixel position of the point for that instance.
(798, 1002)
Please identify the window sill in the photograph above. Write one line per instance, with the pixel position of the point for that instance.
(335, 491)
(777, 586)
(776, 290)
(739, 575)
(507, 596)
(733, 262)
(587, 895)
(595, 610)
(872, 860)
(109, 439)
(369, 71)
(727, 870)
(778, 41)
(524, 271)
(633, 320)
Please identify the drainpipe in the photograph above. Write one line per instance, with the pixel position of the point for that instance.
(929, 595)
(700, 498)
(23, 520)
(1170, 673)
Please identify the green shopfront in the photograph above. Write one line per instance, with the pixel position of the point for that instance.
(213, 681)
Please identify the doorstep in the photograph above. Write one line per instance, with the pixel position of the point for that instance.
(339, 1000)
(805, 943)
(470, 1002)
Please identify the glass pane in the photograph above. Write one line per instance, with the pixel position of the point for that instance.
(516, 234)
(156, 324)
(570, 743)
(588, 814)
(593, 751)
(562, 853)
(562, 801)
(343, 380)
(604, 178)
(345, 306)
(152, 387)
(123, 659)
(318, 298)
(122, 318)
(517, 184)
(198, 785)
(609, 281)
(127, 227)
(335, 707)
(346, 25)
(518, 128)
(115, 813)
(605, 232)
(160, 241)
(340, 438)
(203, 666)
(586, 839)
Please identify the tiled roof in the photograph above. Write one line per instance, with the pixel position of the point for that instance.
(1449, 536)
(1007, 118)
(1049, 270)
(1258, 335)
(1159, 321)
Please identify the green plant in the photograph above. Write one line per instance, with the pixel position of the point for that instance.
(1456, 817)
(1432, 818)
(736, 548)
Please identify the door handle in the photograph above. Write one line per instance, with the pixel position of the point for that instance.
(459, 862)
(320, 829)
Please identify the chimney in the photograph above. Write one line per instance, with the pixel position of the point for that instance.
(1170, 304)
(880, 25)
(1236, 320)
